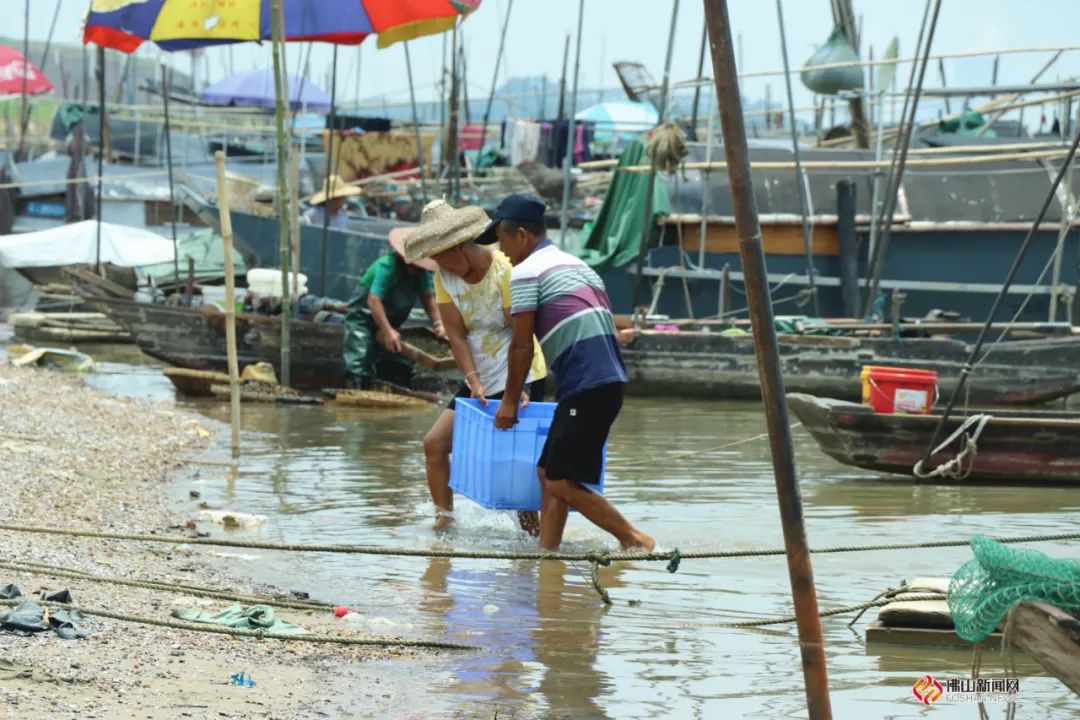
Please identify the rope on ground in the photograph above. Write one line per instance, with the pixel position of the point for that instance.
(249, 598)
(692, 453)
(603, 557)
(877, 602)
(238, 632)
(954, 469)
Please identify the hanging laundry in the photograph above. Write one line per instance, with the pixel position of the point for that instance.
(524, 142)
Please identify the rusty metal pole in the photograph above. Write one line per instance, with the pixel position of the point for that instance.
(752, 254)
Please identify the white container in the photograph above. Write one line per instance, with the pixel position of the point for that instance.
(267, 282)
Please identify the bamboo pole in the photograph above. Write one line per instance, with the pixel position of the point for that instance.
(169, 166)
(230, 302)
(494, 80)
(278, 29)
(24, 109)
(416, 125)
(751, 252)
(571, 129)
(647, 209)
(331, 171)
(101, 147)
(294, 220)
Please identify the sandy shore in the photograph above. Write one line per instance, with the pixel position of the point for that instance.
(74, 457)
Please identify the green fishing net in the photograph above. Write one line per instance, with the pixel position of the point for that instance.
(986, 588)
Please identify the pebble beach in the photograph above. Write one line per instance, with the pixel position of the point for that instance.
(76, 458)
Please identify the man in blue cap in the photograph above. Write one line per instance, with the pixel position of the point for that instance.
(559, 299)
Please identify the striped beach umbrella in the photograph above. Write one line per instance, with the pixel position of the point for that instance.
(185, 24)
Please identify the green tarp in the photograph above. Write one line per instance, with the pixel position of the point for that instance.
(616, 232)
(206, 248)
(254, 617)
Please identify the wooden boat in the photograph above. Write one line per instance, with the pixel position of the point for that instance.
(1030, 446)
(1052, 637)
(720, 365)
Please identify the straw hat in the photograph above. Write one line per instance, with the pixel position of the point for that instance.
(442, 227)
(399, 238)
(338, 188)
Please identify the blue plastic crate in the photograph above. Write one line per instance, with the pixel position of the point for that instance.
(497, 468)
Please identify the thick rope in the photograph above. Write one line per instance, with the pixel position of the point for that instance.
(248, 598)
(600, 556)
(954, 469)
(878, 602)
(238, 632)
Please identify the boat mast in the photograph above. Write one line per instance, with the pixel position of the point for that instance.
(844, 16)
(101, 146)
(899, 160)
(800, 174)
(571, 129)
(752, 254)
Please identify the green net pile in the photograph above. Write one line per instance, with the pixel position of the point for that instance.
(985, 589)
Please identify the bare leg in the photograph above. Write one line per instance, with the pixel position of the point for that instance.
(437, 445)
(596, 508)
(553, 513)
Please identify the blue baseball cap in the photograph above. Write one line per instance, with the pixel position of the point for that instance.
(520, 207)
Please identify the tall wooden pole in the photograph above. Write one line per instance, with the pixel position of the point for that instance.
(562, 80)
(647, 209)
(752, 254)
(278, 30)
(800, 174)
(230, 302)
(571, 129)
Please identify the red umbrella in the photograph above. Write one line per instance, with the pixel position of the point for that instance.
(14, 67)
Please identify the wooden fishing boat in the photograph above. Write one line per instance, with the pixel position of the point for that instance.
(1028, 446)
(720, 365)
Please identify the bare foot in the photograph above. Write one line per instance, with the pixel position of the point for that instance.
(443, 522)
(529, 521)
(640, 541)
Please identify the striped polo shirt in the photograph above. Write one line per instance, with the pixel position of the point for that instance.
(573, 319)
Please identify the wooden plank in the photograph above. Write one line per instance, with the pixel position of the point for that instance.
(779, 239)
(876, 632)
(1051, 637)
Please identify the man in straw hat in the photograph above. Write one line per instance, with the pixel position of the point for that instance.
(559, 299)
(330, 200)
(472, 289)
(384, 297)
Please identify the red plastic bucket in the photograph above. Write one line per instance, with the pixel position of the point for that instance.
(899, 390)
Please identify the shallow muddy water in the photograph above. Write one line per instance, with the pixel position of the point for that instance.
(550, 647)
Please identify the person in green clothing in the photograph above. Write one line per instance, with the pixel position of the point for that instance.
(382, 302)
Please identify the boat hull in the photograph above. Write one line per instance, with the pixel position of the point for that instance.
(1031, 446)
(711, 364)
